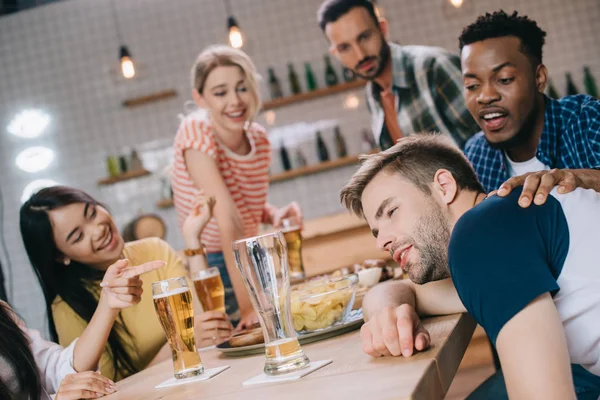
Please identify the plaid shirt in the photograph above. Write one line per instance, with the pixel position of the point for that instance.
(570, 139)
(427, 84)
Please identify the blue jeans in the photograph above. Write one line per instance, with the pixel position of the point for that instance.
(587, 386)
(231, 305)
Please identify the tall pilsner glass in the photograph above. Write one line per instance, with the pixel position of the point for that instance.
(173, 304)
(263, 263)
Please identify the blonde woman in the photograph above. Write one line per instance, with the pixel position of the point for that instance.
(223, 153)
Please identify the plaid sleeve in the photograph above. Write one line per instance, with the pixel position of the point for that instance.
(590, 126)
(448, 90)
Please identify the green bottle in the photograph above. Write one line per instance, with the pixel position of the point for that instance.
(274, 86)
(589, 82)
(331, 78)
(322, 151)
(311, 82)
(285, 157)
(112, 165)
(349, 75)
(571, 88)
(552, 93)
(294, 82)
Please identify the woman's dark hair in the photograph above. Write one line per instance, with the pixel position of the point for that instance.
(15, 349)
(76, 283)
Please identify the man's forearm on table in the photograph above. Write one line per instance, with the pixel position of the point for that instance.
(388, 294)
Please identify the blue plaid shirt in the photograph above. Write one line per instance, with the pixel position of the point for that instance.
(570, 139)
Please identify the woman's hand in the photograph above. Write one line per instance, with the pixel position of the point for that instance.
(122, 286)
(212, 328)
(248, 320)
(84, 385)
(195, 222)
(289, 211)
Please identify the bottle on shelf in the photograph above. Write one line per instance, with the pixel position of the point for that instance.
(112, 165)
(340, 143)
(135, 163)
(274, 86)
(368, 142)
(311, 82)
(293, 78)
(331, 78)
(322, 151)
(300, 159)
(571, 88)
(349, 75)
(590, 83)
(552, 93)
(123, 160)
(285, 158)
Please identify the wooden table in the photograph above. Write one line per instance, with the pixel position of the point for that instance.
(352, 375)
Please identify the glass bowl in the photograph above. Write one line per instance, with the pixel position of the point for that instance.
(319, 304)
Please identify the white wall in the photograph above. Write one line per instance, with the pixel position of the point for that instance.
(58, 58)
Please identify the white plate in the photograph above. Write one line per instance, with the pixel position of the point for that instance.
(352, 322)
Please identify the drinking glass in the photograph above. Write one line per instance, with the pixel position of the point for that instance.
(263, 264)
(173, 304)
(293, 237)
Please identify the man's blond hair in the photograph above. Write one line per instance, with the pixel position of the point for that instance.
(416, 158)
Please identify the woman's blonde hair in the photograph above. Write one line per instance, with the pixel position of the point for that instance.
(220, 55)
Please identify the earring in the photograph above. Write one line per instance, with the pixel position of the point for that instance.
(67, 261)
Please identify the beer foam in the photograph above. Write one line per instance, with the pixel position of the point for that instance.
(171, 293)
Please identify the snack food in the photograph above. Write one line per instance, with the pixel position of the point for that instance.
(321, 303)
(247, 338)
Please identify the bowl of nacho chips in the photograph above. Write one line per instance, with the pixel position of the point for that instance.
(321, 303)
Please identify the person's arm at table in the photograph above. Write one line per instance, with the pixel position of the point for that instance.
(207, 177)
(392, 311)
(533, 352)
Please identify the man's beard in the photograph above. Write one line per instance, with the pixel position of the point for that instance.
(432, 236)
(523, 135)
(383, 57)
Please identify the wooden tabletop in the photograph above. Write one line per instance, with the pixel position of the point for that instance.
(352, 375)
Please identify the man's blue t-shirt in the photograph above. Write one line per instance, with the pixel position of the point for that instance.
(503, 256)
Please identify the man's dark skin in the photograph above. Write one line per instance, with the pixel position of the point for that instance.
(499, 76)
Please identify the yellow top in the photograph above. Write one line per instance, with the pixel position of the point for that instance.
(147, 335)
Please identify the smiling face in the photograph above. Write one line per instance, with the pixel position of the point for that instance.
(359, 43)
(86, 233)
(409, 224)
(227, 97)
(503, 89)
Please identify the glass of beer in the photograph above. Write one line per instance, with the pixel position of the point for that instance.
(293, 237)
(210, 289)
(173, 304)
(263, 264)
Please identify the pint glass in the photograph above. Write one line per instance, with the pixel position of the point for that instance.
(293, 238)
(263, 264)
(210, 289)
(173, 304)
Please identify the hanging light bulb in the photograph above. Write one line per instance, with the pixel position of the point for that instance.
(236, 38)
(127, 67)
(456, 3)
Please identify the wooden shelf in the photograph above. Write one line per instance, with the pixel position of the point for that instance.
(313, 169)
(151, 98)
(168, 203)
(315, 94)
(295, 173)
(123, 177)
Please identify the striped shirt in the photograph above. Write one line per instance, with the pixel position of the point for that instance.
(246, 176)
(428, 88)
